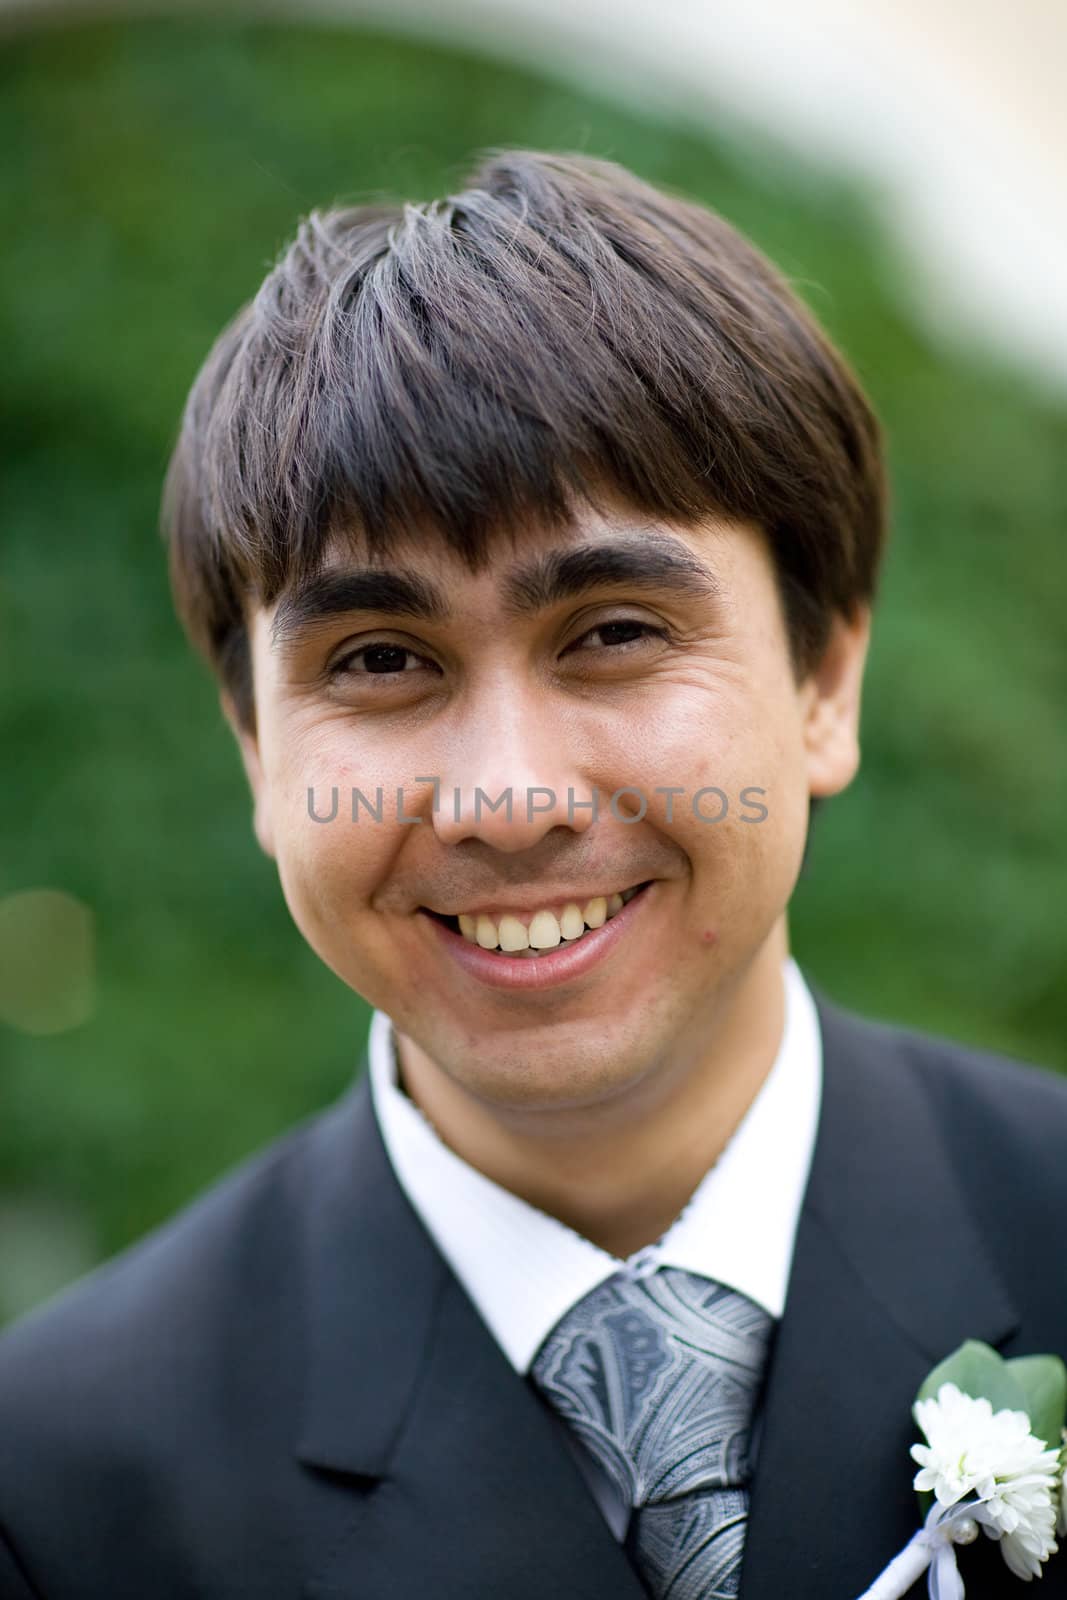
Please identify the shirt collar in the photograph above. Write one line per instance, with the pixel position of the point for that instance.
(524, 1269)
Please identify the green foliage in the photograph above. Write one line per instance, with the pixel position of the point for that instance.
(976, 1369)
(152, 170)
(1043, 1381)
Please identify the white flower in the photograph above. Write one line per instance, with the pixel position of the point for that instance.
(993, 1455)
(1062, 1527)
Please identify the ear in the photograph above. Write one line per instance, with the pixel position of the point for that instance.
(248, 745)
(831, 699)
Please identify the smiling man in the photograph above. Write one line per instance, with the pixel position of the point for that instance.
(533, 536)
(529, 735)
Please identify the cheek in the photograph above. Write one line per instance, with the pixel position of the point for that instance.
(328, 864)
(746, 870)
(744, 875)
(732, 740)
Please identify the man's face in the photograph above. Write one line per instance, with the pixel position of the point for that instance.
(610, 656)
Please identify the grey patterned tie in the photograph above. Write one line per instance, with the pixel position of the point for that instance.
(657, 1376)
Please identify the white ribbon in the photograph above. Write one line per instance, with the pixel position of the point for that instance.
(933, 1547)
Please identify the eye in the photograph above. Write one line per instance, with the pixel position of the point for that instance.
(381, 659)
(620, 636)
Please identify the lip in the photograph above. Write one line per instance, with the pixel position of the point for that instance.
(562, 965)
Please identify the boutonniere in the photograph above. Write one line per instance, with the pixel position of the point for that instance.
(994, 1462)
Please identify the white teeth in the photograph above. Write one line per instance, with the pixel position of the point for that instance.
(596, 912)
(513, 936)
(545, 930)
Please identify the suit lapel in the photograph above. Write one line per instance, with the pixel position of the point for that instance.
(449, 1474)
(889, 1274)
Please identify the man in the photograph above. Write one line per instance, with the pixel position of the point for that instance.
(533, 536)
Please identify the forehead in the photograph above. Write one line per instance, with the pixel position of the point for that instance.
(525, 572)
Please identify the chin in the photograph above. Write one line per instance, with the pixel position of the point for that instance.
(532, 1079)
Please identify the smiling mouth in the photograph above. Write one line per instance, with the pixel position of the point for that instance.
(544, 931)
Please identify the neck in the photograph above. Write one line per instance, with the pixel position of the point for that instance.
(619, 1174)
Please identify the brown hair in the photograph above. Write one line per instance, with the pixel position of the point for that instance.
(458, 365)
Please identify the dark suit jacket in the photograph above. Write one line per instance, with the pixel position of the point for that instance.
(284, 1392)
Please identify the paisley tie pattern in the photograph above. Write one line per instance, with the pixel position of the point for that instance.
(657, 1376)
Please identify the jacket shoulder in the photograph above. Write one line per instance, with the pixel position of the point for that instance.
(962, 1077)
(138, 1398)
(200, 1295)
(1000, 1125)
(156, 1264)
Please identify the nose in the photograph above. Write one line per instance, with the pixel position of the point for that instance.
(510, 779)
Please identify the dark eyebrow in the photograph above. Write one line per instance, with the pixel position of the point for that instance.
(654, 560)
(332, 594)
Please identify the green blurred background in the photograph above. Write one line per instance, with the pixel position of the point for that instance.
(151, 172)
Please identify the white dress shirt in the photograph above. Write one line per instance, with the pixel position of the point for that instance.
(524, 1269)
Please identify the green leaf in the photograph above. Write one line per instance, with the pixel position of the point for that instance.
(976, 1369)
(1043, 1380)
